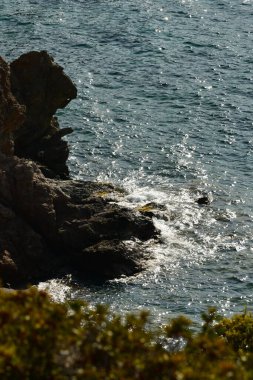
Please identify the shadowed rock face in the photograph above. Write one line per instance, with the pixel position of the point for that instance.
(12, 114)
(48, 226)
(41, 85)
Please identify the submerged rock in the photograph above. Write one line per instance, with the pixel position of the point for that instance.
(48, 226)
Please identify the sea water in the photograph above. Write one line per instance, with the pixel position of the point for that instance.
(164, 109)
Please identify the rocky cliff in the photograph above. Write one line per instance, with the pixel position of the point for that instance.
(51, 225)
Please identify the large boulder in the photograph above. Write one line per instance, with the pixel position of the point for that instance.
(47, 225)
(41, 85)
(51, 226)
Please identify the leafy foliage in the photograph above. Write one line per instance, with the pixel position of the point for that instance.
(43, 340)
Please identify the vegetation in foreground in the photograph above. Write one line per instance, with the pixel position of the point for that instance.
(40, 339)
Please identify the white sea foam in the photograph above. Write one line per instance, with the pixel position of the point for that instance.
(177, 224)
(58, 289)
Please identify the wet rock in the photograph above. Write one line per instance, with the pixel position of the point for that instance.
(204, 200)
(153, 209)
(41, 85)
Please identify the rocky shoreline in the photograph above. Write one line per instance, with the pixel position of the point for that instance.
(51, 225)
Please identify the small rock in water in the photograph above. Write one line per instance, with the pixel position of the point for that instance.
(204, 200)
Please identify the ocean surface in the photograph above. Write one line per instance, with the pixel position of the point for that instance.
(164, 109)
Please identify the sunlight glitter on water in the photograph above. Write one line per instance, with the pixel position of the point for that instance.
(176, 78)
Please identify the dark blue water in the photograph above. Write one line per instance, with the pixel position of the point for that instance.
(165, 110)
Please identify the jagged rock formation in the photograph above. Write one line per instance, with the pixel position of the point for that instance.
(51, 226)
(12, 114)
(41, 85)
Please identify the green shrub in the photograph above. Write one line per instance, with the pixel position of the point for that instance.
(40, 339)
(238, 331)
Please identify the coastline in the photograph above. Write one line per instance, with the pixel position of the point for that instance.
(52, 225)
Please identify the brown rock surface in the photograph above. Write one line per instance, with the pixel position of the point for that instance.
(49, 224)
(11, 113)
(50, 227)
(41, 85)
